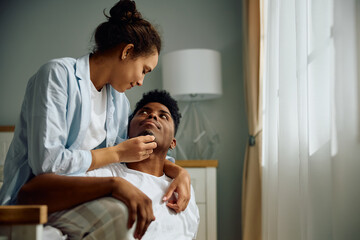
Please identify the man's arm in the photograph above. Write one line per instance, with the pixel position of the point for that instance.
(64, 192)
(180, 185)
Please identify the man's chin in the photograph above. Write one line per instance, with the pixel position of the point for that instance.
(146, 132)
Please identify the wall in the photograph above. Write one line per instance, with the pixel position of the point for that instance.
(32, 32)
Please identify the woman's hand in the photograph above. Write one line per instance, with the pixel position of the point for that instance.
(136, 149)
(132, 150)
(139, 205)
(180, 185)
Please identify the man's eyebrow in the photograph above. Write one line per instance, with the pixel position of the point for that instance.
(163, 111)
(144, 108)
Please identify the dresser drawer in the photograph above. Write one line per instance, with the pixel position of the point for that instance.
(201, 234)
(5, 140)
(198, 181)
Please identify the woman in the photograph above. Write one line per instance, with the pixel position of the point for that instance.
(74, 114)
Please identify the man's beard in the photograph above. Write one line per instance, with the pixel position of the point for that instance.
(146, 132)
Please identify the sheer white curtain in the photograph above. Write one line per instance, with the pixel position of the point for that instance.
(346, 162)
(302, 112)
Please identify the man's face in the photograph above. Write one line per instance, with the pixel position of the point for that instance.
(154, 118)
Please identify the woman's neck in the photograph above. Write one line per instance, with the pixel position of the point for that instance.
(99, 70)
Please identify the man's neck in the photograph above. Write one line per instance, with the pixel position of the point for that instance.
(153, 165)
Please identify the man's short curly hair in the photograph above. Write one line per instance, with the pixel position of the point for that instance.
(163, 97)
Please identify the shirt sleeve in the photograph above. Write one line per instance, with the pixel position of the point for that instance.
(123, 113)
(47, 126)
(171, 159)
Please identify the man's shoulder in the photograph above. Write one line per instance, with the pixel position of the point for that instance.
(111, 170)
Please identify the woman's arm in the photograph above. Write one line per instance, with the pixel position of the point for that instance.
(132, 150)
(44, 110)
(64, 192)
(180, 185)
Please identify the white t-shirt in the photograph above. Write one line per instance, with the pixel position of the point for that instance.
(168, 224)
(96, 132)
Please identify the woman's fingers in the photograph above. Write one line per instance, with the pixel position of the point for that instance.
(147, 138)
(181, 186)
(182, 202)
(170, 191)
(178, 205)
(136, 149)
(148, 152)
(150, 145)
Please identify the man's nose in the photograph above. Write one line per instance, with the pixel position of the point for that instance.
(152, 115)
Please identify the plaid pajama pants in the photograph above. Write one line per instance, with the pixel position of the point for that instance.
(104, 218)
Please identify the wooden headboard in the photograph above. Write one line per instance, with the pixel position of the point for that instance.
(7, 128)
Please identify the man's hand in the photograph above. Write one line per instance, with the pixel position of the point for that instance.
(180, 185)
(139, 205)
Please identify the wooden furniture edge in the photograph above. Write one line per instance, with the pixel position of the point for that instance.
(23, 214)
(7, 128)
(197, 163)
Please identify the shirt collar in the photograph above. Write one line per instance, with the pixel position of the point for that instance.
(82, 69)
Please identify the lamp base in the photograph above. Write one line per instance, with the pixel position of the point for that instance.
(196, 139)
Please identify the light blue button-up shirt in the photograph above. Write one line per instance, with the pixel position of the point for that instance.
(54, 117)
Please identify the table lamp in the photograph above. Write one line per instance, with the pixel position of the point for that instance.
(193, 75)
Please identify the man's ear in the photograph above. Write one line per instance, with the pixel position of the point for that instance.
(173, 144)
(127, 51)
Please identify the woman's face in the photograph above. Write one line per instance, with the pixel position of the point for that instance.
(129, 72)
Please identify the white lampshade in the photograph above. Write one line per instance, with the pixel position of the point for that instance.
(192, 74)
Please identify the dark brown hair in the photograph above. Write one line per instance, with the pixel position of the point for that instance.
(126, 25)
(163, 97)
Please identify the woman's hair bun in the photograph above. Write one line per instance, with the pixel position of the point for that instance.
(125, 25)
(124, 12)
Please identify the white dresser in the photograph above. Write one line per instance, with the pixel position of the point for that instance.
(203, 180)
(6, 136)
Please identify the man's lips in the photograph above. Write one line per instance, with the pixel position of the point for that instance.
(150, 122)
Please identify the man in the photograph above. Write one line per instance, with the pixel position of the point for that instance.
(155, 114)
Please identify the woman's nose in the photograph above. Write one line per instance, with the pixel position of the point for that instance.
(140, 82)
